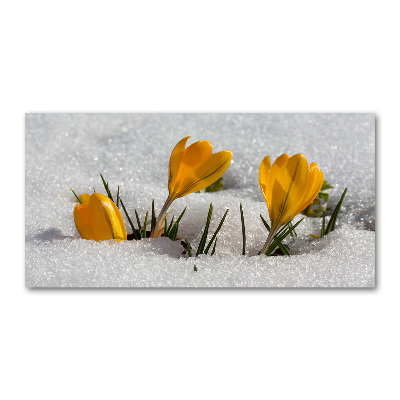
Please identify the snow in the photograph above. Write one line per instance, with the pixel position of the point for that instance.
(132, 150)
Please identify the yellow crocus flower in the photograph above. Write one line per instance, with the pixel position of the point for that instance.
(99, 219)
(289, 186)
(190, 170)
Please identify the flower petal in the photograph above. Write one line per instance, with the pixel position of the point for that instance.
(263, 172)
(105, 219)
(84, 198)
(124, 235)
(289, 185)
(205, 173)
(274, 170)
(192, 156)
(315, 181)
(175, 162)
(81, 218)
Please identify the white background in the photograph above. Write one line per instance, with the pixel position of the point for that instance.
(204, 56)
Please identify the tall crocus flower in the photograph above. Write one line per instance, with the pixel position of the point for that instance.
(289, 186)
(190, 170)
(99, 219)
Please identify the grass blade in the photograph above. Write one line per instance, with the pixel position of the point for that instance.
(170, 225)
(106, 187)
(138, 222)
(180, 216)
(174, 230)
(282, 247)
(195, 268)
(104, 183)
(76, 196)
(265, 223)
(332, 221)
(279, 239)
(292, 232)
(118, 196)
(323, 225)
(243, 230)
(135, 235)
(153, 217)
(213, 250)
(216, 232)
(203, 239)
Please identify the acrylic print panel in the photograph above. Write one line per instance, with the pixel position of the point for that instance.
(132, 151)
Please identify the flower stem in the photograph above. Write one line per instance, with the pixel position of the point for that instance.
(156, 232)
(270, 238)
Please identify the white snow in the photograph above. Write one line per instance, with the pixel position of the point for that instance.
(132, 150)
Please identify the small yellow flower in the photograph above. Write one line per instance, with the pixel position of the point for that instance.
(289, 186)
(99, 219)
(191, 170)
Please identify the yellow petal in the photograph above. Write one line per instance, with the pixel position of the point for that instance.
(263, 174)
(205, 173)
(175, 162)
(121, 223)
(84, 198)
(315, 181)
(275, 168)
(289, 186)
(81, 218)
(105, 218)
(193, 156)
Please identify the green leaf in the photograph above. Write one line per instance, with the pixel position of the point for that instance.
(216, 232)
(332, 221)
(144, 226)
(323, 225)
(106, 187)
(174, 231)
(324, 196)
(76, 196)
(325, 186)
(135, 235)
(170, 225)
(279, 239)
(153, 216)
(284, 249)
(138, 221)
(213, 250)
(292, 232)
(243, 230)
(195, 268)
(203, 239)
(118, 196)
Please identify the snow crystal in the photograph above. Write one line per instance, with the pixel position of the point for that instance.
(132, 150)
